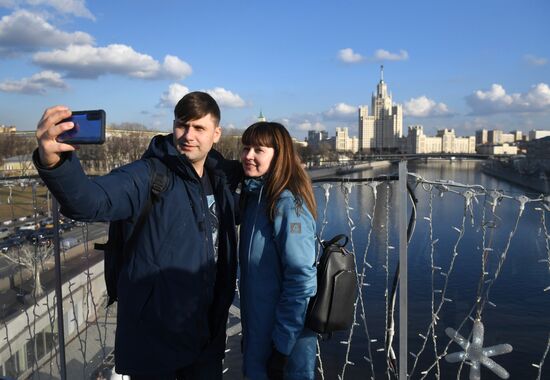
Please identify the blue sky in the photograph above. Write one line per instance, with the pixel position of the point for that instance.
(309, 64)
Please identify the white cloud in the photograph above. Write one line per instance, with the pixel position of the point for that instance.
(7, 3)
(73, 7)
(310, 126)
(424, 107)
(538, 96)
(170, 98)
(87, 61)
(23, 31)
(222, 96)
(341, 111)
(534, 60)
(226, 98)
(36, 84)
(384, 55)
(347, 55)
(175, 67)
(496, 100)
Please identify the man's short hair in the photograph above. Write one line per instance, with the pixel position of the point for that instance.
(196, 105)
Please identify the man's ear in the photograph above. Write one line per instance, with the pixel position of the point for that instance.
(217, 134)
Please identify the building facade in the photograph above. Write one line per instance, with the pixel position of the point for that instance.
(382, 129)
(482, 137)
(496, 137)
(497, 149)
(445, 141)
(314, 138)
(344, 143)
(538, 134)
(7, 128)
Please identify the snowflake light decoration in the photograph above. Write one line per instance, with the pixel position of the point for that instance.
(476, 354)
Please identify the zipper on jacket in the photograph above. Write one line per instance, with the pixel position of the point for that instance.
(244, 342)
(253, 230)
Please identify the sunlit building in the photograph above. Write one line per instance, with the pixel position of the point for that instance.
(497, 149)
(445, 141)
(344, 143)
(7, 128)
(538, 134)
(382, 129)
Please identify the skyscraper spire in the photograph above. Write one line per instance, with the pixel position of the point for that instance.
(261, 117)
(381, 73)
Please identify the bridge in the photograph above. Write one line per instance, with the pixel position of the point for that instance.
(419, 156)
(479, 258)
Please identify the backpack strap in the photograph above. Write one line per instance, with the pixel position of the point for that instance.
(334, 240)
(158, 174)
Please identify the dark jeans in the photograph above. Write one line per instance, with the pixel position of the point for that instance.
(209, 370)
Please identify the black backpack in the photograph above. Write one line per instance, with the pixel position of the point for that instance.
(332, 308)
(116, 251)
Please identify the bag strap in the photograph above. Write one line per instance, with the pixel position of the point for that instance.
(334, 240)
(158, 174)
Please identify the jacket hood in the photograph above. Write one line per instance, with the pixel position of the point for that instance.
(253, 184)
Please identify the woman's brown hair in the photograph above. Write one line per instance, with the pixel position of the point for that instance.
(286, 171)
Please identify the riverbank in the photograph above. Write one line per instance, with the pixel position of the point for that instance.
(316, 173)
(532, 182)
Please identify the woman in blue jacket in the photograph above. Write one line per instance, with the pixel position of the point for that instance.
(277, 257)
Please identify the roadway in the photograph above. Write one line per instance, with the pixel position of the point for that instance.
(87, 232)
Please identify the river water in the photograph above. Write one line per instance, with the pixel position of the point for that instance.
(516, 307)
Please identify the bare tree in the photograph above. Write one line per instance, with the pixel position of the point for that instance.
(117, 151)
(129, 126)
(12, 144)
(32, 258)
(230, 144)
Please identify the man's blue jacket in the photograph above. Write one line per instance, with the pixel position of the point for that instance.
(173, 298)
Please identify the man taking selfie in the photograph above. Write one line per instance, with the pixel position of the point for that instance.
(176, 287)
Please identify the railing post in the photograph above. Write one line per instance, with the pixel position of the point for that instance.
(403, 276)
(58, 292)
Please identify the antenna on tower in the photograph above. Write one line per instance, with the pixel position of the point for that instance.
(381, 73)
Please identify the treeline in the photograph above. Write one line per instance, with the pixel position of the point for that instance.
(118, 150)
(12, 145)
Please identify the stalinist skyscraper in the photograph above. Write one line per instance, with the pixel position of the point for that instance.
(382, 130)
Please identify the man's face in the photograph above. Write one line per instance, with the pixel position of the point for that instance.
(195, 138)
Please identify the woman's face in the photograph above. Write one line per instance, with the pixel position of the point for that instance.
(256, 160)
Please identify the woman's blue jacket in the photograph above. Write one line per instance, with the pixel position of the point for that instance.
(277, 279)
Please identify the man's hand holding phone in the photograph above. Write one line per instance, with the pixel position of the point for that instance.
(59, 129)
(48, 129)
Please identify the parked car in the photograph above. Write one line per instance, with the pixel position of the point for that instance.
(11, 242)
(68, 242)
(29, 226)
(48, 223)
(42, 236)
(5, 245)
(66, 224)
(4, 232)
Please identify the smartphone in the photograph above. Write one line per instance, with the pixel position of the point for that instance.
(89, 128)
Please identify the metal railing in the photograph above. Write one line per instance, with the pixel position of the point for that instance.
(450, 276)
